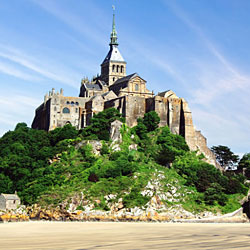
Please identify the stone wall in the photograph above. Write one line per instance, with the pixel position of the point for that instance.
(2, 203)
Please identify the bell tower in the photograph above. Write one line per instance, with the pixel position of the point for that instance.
(113, 67)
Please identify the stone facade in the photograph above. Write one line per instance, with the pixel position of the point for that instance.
(9, 201)
(128, 94)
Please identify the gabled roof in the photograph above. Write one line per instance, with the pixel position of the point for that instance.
(167, 94)
(113, 55)
(11, 196)
(126, 78)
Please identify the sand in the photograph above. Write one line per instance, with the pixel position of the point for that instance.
(108, 235)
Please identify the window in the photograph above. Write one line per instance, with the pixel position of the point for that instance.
(117, 68)
(121, 69)
(54, 108)
(72, 103)
(67, 102)
(66, 111)
(136, 87)
(77, 103)
(113, 68)
(76, 110)
(113, 79)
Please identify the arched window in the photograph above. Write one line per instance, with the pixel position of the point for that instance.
(113, 68)
(113, 79)
(54, 108)
(72, 103)
(66, 111)
(121, 69)
(117, 68)
(77, 103)
(68, 102)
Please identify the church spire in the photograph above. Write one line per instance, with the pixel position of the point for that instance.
(113, 36)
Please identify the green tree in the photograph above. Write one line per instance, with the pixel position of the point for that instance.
(244, 165)
(151, 120)
(215, 194)
(101, 123)
(225, 157)
(140, 129)
(169, 146)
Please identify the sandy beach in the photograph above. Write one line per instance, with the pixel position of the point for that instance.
(108, 235)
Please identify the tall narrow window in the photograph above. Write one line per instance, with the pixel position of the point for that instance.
(117, 68)
(136, 87)
(113, 79)
(121, 69)
(113, 68)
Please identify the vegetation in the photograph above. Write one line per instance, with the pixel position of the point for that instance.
(225, 157)
(50, 167)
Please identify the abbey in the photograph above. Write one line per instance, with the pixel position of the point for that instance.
(127, 93)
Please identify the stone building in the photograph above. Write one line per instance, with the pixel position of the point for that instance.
(128, 94)
(9, 201)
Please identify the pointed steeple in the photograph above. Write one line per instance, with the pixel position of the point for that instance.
(113, 36)
(113, 66)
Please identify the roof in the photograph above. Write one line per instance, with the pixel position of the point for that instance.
(126, 78)
(103, 83)
(168, 93)
(11, 196)
(92, 86)
(113, 55)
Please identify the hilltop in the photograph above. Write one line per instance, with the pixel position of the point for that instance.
(145, 171)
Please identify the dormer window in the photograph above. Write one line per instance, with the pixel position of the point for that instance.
(136, 87)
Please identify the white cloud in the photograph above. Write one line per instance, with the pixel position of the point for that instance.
(13, 71)
(229, 77)
(18, 57)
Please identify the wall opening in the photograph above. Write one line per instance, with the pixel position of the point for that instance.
(66, 111)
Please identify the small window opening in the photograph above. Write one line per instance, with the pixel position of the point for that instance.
(66, 111)
(136, 87)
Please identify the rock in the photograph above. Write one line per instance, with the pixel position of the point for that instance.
(115, 134)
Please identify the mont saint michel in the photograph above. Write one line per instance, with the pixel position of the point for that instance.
(124, 129)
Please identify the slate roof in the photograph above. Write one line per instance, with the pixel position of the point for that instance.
(11, 196)
(113, 55)
(126, 78)
(92, 86)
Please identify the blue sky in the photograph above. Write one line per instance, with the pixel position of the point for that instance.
(198, 49)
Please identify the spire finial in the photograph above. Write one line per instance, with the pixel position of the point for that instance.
(113, 37)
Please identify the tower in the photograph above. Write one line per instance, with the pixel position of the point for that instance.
(113, 67)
